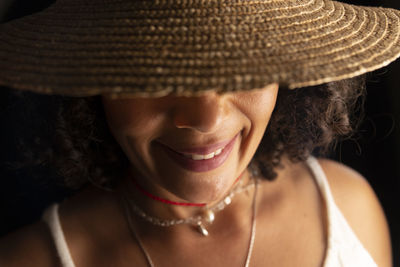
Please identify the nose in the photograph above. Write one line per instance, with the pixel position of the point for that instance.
(203, 113)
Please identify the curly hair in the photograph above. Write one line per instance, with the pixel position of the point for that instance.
(71, 136)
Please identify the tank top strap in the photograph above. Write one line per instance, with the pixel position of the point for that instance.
(343, 246)
(52, 219)
(322, 182)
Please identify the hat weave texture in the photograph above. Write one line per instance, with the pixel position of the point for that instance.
(186, 47)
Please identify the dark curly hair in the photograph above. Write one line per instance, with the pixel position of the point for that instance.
(70, 135)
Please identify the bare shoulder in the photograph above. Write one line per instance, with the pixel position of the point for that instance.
(29, 246)
(360, 206)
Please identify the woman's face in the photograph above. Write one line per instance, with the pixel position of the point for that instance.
(154, 133)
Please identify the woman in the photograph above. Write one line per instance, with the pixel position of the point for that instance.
(188, 91)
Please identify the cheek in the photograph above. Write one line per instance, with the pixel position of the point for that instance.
(259, 105)
(130, 118)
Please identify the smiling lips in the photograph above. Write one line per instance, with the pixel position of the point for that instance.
(194, 160)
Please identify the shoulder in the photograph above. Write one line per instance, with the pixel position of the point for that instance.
(360, 206)
(29, 246)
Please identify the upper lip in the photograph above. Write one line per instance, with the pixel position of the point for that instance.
(204, 150)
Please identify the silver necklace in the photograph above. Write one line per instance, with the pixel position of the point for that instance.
(207, 216)
(252, 231)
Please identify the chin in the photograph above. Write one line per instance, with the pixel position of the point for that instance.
(206, 191)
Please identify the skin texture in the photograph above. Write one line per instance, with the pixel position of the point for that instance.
(291, 223)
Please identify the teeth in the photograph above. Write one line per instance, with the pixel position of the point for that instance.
(201, 157)
(218, 152)
(209, 156)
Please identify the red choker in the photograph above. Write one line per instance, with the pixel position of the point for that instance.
(166, 201)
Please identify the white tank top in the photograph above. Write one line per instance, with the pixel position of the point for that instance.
(344, 249)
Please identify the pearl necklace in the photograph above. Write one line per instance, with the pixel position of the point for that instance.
(128, 214)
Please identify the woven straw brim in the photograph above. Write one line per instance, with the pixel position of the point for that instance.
(186, 47)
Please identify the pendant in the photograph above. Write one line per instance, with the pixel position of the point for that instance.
(202, 229)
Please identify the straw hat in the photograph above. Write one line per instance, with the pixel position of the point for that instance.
(155, 47)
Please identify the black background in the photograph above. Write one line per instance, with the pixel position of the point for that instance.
(375, 153)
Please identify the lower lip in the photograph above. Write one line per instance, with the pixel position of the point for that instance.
(201, 165)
